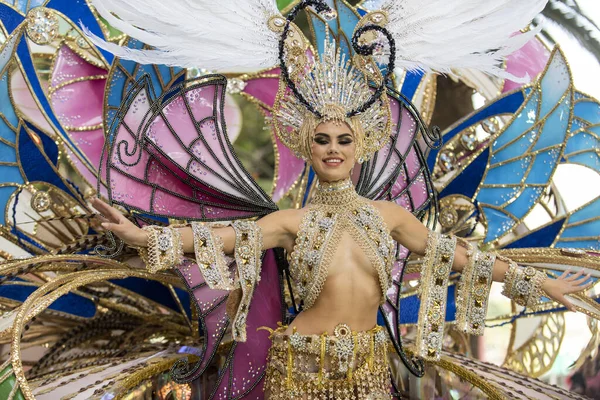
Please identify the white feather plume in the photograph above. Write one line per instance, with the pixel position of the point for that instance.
(224, 35)
(439, 35)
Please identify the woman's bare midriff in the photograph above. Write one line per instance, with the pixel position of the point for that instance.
(351, 294)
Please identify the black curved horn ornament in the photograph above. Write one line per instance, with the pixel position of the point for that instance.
(367, 50)
(322, 8)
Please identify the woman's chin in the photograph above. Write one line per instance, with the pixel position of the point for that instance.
(333, 177)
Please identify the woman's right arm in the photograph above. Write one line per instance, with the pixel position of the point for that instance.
(278, 229)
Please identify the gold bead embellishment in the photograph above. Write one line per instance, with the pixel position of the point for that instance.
(346, 365)
(42, 25)
(164, 248)
(523, 285)
(435, 270)
(473, 291)
(210, 258)
(248, 253)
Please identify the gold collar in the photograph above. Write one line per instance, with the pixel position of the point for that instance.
(339, 193)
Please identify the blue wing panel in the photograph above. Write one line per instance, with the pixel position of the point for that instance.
(546, 111)
(540, 238)
(582, 147)
(583, 224)
(525, 202)
(498, 222)
(467, 181)
(497, 196)
(556, 126)
(542, 167)
(523, 122)
(499, 175)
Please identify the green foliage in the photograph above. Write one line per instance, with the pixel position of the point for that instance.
(254, 145)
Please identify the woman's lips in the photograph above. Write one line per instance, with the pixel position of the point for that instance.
(333, 162)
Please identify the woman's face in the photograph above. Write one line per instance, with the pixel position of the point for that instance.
(333, 151)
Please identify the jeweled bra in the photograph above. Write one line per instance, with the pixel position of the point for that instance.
(337, 208)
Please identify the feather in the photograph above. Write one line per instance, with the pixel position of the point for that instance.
(447, 34)
(223, 36)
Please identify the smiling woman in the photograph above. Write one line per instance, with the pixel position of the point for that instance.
(334, 112)
(333, 151)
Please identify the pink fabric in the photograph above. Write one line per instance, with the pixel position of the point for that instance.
(530, 60)
(246, 361)
(178, 162)
(289, 167)
(79, 104)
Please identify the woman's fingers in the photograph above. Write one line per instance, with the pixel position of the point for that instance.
(581, 280)
(565, 274)
(111, 226)
(109, 212)
(575, 276)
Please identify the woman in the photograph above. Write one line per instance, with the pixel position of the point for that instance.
(341, 247)
(352, 289)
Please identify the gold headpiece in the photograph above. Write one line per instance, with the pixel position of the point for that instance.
(330, 89)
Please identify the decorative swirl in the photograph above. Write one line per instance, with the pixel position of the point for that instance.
(368, 50)
(182, 372)
(322, 8)
(114, 249)
(432, 135)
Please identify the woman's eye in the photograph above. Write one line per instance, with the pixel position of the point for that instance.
(346, 142)
(320, 141)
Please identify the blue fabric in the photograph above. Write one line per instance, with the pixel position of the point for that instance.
(506, 105)
(466, 183)
(69, 303)
(10, 18)
(541, 238)
(409, 307)
(156, 292)
(411, 83)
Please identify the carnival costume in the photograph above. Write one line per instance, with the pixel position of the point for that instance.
(167, 157)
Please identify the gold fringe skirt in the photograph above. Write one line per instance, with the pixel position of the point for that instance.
(347, 365)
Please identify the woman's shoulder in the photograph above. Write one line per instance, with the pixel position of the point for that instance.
(289, 219)
(385, 206)
(392, 213)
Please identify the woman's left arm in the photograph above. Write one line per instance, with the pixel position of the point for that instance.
(408, 231)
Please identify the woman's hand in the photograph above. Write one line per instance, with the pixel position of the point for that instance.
(565, 284)
(112, 220)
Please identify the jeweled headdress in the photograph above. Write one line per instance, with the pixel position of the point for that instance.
(333, 87)
(332, 90)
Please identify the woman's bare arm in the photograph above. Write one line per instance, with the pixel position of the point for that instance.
(408, 231)
(278, 229)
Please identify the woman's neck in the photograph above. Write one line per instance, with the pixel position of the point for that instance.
(336, 193)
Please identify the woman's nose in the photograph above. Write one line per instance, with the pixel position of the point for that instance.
(333, 148)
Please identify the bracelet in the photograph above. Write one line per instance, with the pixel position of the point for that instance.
(164, 249)
(435, 271)
(248, 257)
(474, 290)
(210, 258)
(523, 285)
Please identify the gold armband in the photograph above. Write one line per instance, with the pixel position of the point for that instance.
(474, 290)
(248, 257)
(523, 285)
(164, 249)
(210, 258)
(435, 270)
